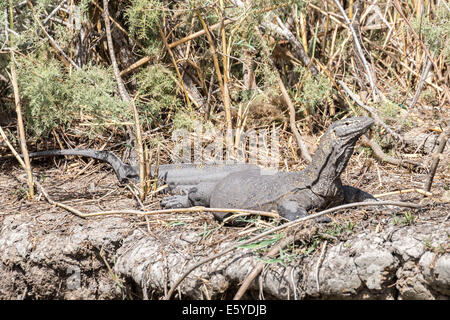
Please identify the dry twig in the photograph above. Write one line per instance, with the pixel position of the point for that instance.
(223, 85)
(372, 111)
(423, 192)
(126, 98)
(443, 137)
(302, 145)
(20, 125)
(359, 50)
(380, 155)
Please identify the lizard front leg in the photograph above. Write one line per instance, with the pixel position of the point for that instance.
(352, 194)
(180, 199)
(297, 205)
(291, 209)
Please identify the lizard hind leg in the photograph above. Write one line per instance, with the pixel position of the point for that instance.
(176, 201)
(180, 199)
(198, 195)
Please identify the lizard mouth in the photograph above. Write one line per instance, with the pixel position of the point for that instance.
(352, 128)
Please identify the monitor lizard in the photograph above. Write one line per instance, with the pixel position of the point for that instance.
(246, 186)
(291, 194)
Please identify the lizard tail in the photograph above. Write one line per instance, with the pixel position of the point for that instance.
(122, 171)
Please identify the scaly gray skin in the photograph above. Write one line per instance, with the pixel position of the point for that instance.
(184, 176)
(291, 194)
(244, 186)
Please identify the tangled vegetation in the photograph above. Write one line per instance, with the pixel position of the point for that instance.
(186, 61)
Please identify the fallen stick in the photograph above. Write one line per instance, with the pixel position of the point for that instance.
(284, 226)
(443, 137)
(58, 204)
(425, 193)
(183, 210)
(380, 155)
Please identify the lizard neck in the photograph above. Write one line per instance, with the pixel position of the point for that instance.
(327, 165)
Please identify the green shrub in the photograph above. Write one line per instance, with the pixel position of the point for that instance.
(435, 31)
(314, 91)
(156, 90)
(143, 18)
(53, 98)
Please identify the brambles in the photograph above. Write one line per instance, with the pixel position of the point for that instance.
(54, 98)
(177, 84)
(435, 30)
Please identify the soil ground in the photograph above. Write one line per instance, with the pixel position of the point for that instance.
(32, 273)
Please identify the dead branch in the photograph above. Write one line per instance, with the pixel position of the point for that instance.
(380, 155)
(136, 65)
(223, 85)
(284, 32)
(64, 57)
(200, 33)
(183, 210)
(177, 70)
(54, 11)
(302, 145)
(372, 111)
(443, 137)
(422, 79)
(10, 146)
(359, 50)
(117, 25)
(172, 45)
(18, 103)
(41, 188)
(122, 90)
(58, 204)
(125, 97)
(59, 51)
(424, 47)
(423, 192)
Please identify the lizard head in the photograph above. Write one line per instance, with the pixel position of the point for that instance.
(341, 138)
(347, 131)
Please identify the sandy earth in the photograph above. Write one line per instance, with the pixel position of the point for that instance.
(48, 253)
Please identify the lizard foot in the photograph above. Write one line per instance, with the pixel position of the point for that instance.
(177, 201)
